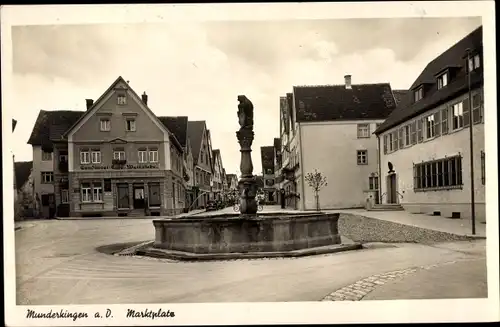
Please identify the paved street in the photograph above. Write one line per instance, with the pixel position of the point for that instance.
(57, 263)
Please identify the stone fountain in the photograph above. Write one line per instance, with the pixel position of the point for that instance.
(247, 234)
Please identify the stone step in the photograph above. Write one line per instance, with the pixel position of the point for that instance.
(386, 207)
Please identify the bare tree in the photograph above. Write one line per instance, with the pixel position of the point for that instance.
(316, 181)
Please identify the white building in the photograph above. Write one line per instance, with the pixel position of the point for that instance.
(426, 139)
(329, 128)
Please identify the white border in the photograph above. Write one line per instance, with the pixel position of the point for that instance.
(256, 313)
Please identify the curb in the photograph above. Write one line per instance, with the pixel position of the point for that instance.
(186, 256)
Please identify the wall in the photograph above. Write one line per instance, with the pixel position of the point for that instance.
(38, 167)
(331, 148)
(445, 201)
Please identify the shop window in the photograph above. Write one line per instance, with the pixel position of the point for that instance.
(438, 174)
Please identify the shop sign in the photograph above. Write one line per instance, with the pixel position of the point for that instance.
(107, 167)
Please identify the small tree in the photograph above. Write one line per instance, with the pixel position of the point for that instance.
(316, 181)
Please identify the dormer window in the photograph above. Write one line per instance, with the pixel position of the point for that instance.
(474, 62)
(121, 99)
(442, 80)
(419, 94)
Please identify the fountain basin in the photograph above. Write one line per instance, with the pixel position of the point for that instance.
(234, 235)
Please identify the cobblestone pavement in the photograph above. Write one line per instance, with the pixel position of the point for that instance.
(57, 263)
(358, 290)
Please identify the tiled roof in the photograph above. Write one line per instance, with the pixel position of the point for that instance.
(267, 157)
(178, 126)
(453, 57)
(400, 96)
(51, 125)
(195, 135)
(22, 171)
(335, 102)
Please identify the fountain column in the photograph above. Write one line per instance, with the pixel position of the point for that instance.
(247, 184)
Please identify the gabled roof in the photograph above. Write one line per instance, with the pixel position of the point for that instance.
(457, 85)
(195, 135)
(178, 126)
(22, 171)
(267, 157)
(336, 102)
(51, 125)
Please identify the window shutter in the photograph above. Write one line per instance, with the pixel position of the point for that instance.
(401, 138)
(420, 135)
(395, 140)
(437, 123)
(385, 144)
(466, 110)
(476, 111)
(413, 132)
(444, 121)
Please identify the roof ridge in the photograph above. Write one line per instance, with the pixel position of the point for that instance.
(330, 85)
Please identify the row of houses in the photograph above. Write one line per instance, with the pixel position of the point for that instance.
(379, 146)
(119, 158)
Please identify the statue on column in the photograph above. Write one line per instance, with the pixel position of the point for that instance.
(247, 184)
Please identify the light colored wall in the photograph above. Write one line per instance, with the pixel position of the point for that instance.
(38, 167)
(331, 148)
(451, 144)
(147, 130)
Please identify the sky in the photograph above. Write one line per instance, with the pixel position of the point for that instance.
(199, 69)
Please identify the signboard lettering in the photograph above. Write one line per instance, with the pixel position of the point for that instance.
(129, 166)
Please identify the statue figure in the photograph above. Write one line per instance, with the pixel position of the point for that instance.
(245, 112)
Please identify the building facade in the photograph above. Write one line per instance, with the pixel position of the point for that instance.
(267, 159)
(218, 176)
(425, 143)
(116, 158)
(329, 129)
(199, 138)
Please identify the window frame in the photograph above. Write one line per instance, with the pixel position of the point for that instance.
(99, 189)
(442, 80)
(46, 156)
(45, 180)
(121, 96)
(85, 154)
(96, 154)
(119, 157)
(142, 154)
(103, 127)
(153, 152)
(127, 125)
(441, 174)
(430, 126)
(360, 154)
(363, 131)
(85, 193)
(418, 94)
(66, 192)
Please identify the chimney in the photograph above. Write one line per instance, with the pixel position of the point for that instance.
(90, 103)
(347, 79)
(145, 98)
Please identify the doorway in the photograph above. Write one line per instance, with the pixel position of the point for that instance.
(391, 189)
(139, 201)
(123, 200)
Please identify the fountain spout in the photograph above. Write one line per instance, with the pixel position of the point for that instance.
(247, 184)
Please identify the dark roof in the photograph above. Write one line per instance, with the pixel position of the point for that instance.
(51, 125)
(335, 102)
(22, 171)
(267, 156)
(277, 144)
(400, 96)
(453, 58)
(195, 135)
(178, 126)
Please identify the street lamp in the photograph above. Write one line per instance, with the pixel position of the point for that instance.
(471, 143)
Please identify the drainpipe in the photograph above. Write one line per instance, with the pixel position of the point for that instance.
(302, 195)
(379, 171)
